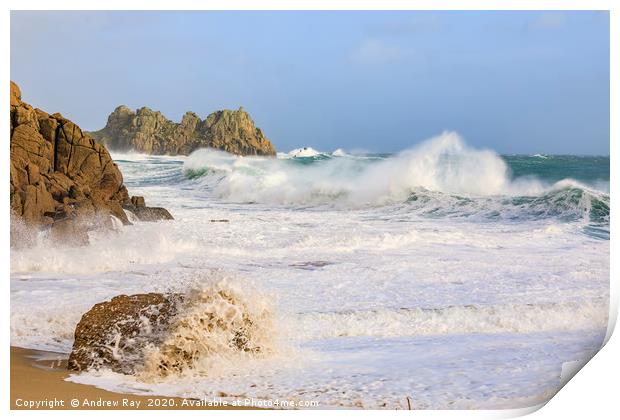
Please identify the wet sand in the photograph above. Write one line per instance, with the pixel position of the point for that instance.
(37, 382)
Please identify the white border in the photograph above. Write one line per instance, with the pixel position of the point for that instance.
(315, 5)
(593, 393)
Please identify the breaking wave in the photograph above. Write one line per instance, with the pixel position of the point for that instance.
(467, 319)
(442, 176)
(216, 326)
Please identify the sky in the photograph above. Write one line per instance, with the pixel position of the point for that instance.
(511, 81)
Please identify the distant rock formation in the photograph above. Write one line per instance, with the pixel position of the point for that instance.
(148, 131)
(61, 178)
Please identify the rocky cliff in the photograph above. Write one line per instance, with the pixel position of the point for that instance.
(148, 131)
(61, 178)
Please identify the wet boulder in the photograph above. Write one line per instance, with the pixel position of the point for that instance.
(137, 206)
(153, 335)
(112, 334)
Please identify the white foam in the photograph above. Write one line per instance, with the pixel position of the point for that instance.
(511, 318)
(133, 156)
(438, 372)
(304, 152)
(124, 249)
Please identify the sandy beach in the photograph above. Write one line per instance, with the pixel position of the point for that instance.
(38, 383)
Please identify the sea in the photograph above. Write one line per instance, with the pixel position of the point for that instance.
(440, 277)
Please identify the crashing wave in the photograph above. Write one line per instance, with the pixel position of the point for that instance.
(215, 325)
(566, 201)
(441, 176)
(303, 152)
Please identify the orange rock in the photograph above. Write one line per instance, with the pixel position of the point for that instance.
(149, 131)
(52, 160)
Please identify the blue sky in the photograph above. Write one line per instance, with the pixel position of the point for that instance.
(515, 82)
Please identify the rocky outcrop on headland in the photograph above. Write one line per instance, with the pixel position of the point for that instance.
(148, 131)
(61, 178)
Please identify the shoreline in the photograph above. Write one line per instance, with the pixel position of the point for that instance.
(38, 383)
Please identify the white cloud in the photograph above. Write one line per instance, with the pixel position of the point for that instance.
(375, 51)
(549, 20)
(417, 24)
